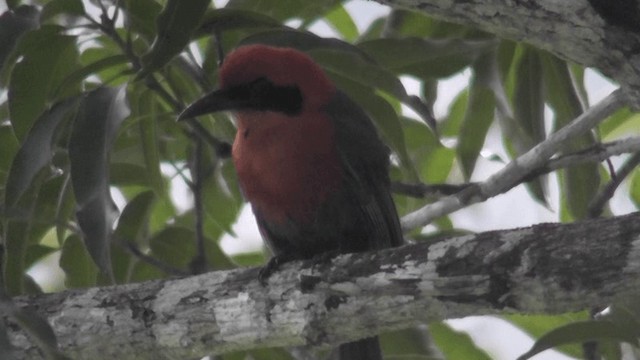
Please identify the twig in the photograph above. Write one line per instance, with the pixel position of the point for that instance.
(597, 203)
(516, 170)
(133, 249)
(596, 153)
(198, 264)
(421, 190)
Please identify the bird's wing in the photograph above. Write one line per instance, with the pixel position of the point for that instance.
(365, 161)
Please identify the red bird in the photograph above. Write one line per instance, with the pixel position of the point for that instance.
(309, 161)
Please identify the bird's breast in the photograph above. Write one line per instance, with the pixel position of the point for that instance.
(287, 166)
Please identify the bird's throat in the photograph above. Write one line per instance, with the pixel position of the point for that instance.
(287, 166)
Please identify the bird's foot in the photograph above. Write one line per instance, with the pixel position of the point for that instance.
(272, 265)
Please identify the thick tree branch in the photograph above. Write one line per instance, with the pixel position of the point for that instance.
(547, 268)
(571, 29)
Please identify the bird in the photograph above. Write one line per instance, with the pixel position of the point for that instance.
(309, 160)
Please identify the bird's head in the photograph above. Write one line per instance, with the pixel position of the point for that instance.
(266, 78)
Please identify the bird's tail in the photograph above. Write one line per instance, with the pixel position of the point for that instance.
(364, 349)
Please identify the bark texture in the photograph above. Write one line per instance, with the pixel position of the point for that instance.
(547, 268)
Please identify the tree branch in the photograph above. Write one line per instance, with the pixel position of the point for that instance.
(514, 172)
(548, 268)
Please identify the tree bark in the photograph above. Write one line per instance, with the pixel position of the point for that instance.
(546, 268)
(571, 29)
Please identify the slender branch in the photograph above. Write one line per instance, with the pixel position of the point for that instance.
(597, 204)
(596, 153)
(135, 251)
(514, 172)
(198, 264)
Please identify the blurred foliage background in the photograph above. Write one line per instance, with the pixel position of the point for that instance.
(90, 150)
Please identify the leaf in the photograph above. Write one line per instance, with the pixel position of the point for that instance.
(479, 114)
(174, 246)
(47, 57)
(634, 188)
(36, 151)
(426, 59)
(66, 7)
(622, 123)
(579, 183)
(226, 19)
(538, 325)
(340, 19)
(354, 67)
(141, 15)
(410, 343)
(13, 24)
(454, 344)
(99, 117)
(281, 11)
(222, 201)
(80, 271)
(133, 222)
(527, 128)
(176, 23)
(579, 332)
(301, 40)
(75, 78)
(145, 107)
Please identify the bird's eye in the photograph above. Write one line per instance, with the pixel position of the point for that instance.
(260, 88)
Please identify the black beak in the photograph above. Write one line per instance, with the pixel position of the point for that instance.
(217, 100)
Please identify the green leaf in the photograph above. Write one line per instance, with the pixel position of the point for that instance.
(222, 202)
(450, 126)
(133, 222)
(410, 343)
(634, 188)
(230, 19)
(455, 345)
(283, 10)
(13, 24)
(538, 325)
(133, 226)
(579, 332)
(47, 57)
(527, 128)
(75, 78)
(174, 246)
(36, 151)
(99, 117)
(176, 24)
(301, 40)
(356, 68)
(66, 7)
(75, 261)
(622, 123)
(141, 15)
(424, 58)
(144, 108)
(342, 22)
(479, 114)
(579, 183)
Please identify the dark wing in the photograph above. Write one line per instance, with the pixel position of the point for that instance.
(365, 161)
